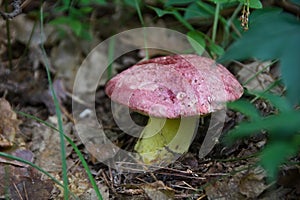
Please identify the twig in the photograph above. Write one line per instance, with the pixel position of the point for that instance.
(16, 11)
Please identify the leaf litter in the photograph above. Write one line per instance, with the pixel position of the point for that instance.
(21, 180)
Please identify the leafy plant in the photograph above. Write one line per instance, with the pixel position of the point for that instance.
(274, 34)
(74, 14)
(194, 9)
(60, 128)
(283, 130)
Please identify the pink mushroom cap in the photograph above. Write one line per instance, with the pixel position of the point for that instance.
(175, 86)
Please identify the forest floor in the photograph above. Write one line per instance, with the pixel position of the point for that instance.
(227, 172)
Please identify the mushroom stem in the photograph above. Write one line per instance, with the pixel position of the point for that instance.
(162, 139)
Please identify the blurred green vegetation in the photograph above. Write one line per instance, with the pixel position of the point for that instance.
(74, 14)
(274, 34)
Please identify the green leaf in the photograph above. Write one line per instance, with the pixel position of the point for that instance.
(175, 13)
(85, 9)
(274, 154)
(218, 50)
(224, 1)
(195, 11)
(253, 3)
(132, 3)
(160, 12)
(76, 13)
(178, 2)
(100, 2)
(197, 41)
(246, 108)
(288, 121)
(180, 18)
(75, 25)
(296, 2)
(272, 35)
(281, 103)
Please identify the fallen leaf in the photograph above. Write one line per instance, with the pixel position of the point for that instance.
(66, 57)
(252, 184)
(9, 124)
(22, 181)
(158, 190)
(24, 29)
(243, 185)
(91, 194)
(96, 142)
(257, 76)
(46, 145)
(47, 98)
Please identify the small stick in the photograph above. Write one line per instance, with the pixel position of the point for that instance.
(17, 10)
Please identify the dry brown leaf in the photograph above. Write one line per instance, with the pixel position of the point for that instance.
(46, 95)
(66, 58)
(25, 154)
(256, 75)
(252, 184)
(46, 146)
(90, 194)
(243, 185)
(23, 182)
(24, 29)
(96, 142)
(158, 190)
(9, 124)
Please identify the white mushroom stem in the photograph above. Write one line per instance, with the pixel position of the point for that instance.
(162, 138)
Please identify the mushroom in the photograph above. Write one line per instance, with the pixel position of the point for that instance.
(173, 91)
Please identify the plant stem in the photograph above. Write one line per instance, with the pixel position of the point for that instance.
(216, 19)
(229, 23)
(58, 112)
(259, 72)
(79, 154)
(143, 24)
(111, 48)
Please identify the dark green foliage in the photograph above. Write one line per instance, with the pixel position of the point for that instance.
(74, 14)
(283, 130)
(273, 34)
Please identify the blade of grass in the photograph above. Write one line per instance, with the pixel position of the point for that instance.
(138, 9)
(259, 72)
(111, 48)
(57, 109)
(181, 19)
(80, 156)
(230, 23)
(271, 86)
(5, 155)
(215, 25)
(202, 5)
